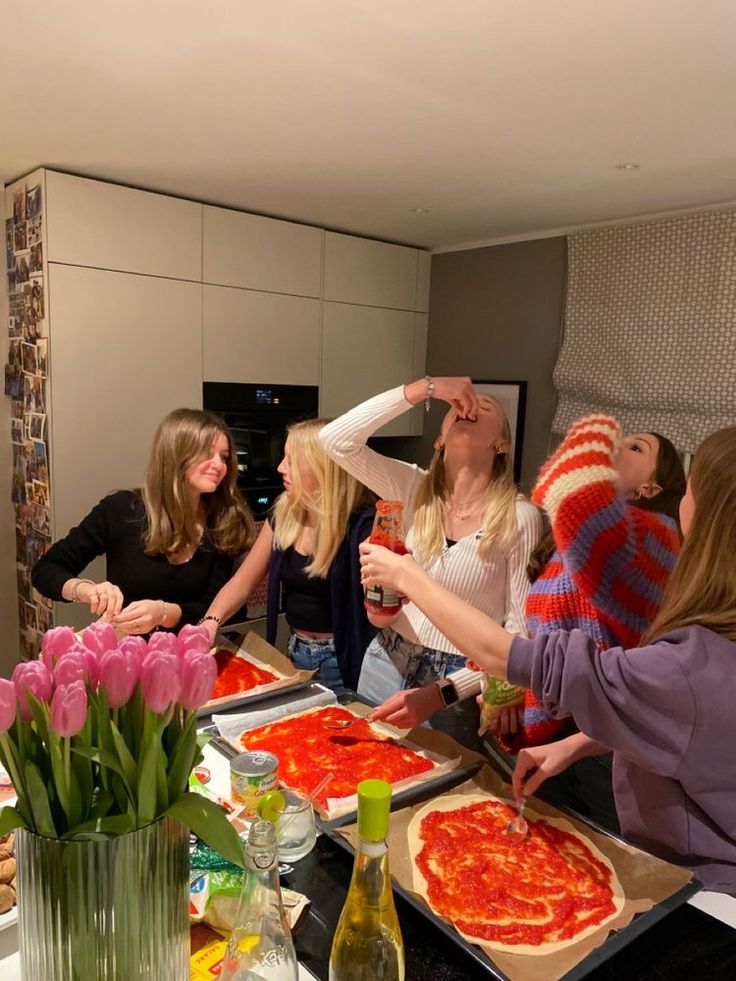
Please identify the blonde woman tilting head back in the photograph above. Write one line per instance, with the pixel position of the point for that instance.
(309, 546)
(466, 524)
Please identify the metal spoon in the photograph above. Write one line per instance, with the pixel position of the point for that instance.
(517, 826)
(339, 723)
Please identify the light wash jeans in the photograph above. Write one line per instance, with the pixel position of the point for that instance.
(392, 664)
(319, 656)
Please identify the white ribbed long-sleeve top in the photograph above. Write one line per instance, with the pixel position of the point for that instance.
(497, 586)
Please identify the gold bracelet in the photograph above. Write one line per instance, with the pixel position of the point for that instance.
(75, 587)
(163, 608)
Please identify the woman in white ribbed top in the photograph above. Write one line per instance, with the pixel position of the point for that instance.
(465, 523)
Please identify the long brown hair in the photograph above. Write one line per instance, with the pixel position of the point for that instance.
(702, 587)
(337, 495)
(183, 437)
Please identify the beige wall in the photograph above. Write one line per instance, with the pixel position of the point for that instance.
(496, 313)
(8, 584)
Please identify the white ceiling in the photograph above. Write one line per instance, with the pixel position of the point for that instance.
(504, 118)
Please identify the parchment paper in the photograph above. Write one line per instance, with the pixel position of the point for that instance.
(443, 751)
(255, 649)
(645, 880)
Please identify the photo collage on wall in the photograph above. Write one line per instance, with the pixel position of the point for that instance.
(26, 377)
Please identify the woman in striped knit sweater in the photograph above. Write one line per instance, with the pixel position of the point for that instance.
(611, 503)
(465, 523)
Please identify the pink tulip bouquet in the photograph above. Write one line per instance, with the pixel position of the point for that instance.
(99, 736)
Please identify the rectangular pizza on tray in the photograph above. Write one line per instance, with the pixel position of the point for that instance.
(309, 745)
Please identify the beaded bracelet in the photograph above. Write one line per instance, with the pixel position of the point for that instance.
(430, 392)
(210, 616)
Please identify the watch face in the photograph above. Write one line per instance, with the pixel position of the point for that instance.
(448, 693)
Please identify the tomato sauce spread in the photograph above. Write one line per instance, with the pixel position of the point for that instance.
(546, 888)
(308, 749)
(236, 674)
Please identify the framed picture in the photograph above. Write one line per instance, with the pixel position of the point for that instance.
(511, 396)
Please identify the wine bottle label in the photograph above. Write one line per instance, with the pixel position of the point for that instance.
(380, 597)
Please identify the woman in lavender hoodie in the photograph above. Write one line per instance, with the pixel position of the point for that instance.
(664, 708)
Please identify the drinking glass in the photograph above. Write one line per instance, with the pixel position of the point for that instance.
(296, 831)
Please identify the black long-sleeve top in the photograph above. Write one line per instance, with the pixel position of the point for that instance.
(114, 528)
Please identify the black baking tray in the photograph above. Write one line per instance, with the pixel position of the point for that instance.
(404, 797)
(615, 942)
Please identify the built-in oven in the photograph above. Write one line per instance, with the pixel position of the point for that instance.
(257, 416)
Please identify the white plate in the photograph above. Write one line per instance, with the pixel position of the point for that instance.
(9, 918)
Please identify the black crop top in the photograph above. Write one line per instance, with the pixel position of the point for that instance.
(306, 599)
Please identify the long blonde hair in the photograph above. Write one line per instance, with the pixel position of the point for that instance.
(336, 496)
(499, 527)
(702, 587)
(183, 437)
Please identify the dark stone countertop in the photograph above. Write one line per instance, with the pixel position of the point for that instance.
(685, 944)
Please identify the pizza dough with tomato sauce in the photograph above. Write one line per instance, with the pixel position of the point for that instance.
(532, 896)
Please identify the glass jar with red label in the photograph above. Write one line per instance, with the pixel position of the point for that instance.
(388, 530)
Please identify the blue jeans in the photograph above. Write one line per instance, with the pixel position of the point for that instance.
(318, 656)
(392, 663)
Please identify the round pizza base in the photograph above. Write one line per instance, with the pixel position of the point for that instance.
(454, 802)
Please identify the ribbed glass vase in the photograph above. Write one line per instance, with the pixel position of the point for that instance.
(107, 910)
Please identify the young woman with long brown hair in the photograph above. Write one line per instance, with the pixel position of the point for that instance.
(169, 546)
(665, 707)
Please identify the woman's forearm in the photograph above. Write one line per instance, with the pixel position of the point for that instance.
(472, 632)
(237, 589)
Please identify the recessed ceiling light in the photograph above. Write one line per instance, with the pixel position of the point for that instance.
(627, 166)
(419, 211)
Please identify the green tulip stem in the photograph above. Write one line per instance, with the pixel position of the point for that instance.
(68, 761)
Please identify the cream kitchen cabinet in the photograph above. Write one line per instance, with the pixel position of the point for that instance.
(261, 253)
(369, 273)
(92, 223)
(250, 336)
(368, 350)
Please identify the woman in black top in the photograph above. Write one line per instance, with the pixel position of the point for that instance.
(170, 546)
(309, 546)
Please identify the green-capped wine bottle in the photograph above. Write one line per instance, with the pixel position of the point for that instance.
(367, 944)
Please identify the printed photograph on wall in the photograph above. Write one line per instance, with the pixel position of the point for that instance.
(511, 396)
(33, 201)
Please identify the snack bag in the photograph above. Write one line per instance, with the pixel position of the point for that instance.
(497, 695)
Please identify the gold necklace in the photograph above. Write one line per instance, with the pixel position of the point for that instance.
(458, 509)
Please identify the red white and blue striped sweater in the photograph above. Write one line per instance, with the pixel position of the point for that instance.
(612, 562)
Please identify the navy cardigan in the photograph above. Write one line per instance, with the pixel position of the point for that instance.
(353, 632)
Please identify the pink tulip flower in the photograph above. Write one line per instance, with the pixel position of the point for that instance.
(118, 677)
(160, 682)
(198, 676)
(163, 641)
(100, 637)
(134, 648)
(8, 703)
(35, 677)
(193, 639)
(55, 643)
(74, 666)
(68, 709)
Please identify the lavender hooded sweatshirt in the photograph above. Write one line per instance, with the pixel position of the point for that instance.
(668, 712)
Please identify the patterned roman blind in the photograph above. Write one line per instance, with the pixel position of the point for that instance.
(650, 327)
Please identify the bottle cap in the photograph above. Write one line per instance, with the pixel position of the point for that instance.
(374, 803)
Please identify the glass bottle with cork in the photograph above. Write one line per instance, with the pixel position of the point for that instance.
(260, 946)
(368, 944)
(388, 530)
